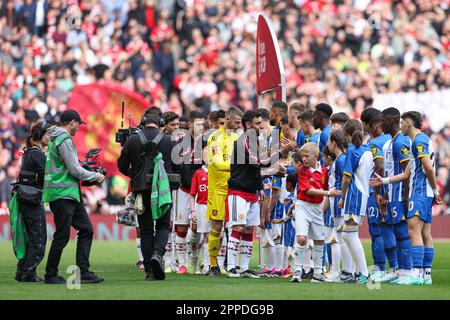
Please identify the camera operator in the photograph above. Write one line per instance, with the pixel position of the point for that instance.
(132, 163)
(32, 174)
(62, 190)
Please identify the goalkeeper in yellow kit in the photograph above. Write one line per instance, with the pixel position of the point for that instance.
(220, 149)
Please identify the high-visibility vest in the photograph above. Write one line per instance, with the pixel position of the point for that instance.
(58, 182)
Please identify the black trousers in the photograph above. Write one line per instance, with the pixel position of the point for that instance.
(35, 225)
(154, 234)
(69, 213)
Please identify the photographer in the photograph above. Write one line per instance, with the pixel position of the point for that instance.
(132, 163)
(32, 174)
(61, 189)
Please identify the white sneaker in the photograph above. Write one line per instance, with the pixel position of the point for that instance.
(334, 277)
(388, 277)
(205, 269)
(374, 276)
(297, 276)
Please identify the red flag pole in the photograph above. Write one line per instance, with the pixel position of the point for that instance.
(270, 73)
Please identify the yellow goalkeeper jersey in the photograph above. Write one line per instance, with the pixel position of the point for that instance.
(220, 150)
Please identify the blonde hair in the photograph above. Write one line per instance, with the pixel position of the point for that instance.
(310, 147)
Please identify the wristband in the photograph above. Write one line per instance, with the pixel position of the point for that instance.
(436, 193)
(329, 193)
(385, 180)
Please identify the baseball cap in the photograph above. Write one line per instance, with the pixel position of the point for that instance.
(69, 115)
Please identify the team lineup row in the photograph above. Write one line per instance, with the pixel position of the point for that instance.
(308, 206)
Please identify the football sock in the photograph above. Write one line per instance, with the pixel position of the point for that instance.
(329, 255)
(404, 242)
(285, 257)
(139, 251)
(347, 260)
(356, 249)
(390, 246)
(324, 255)
(223, 250)
(181, 247)
(271, 258)
(169, 255)
(306, 258)
(418, 254)
(299, 255)
(205, 258)
(245, 250)
(427, 262)
(378, 254)
(279, 255)
(195, 246)
(318, 258)
(233, 248)
(336, 257)
(213, 245)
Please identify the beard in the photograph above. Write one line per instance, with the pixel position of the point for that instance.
(273, 122)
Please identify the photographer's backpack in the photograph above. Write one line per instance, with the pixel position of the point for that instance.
(142, 182)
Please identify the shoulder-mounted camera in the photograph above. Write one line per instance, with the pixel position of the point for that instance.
(91, 164)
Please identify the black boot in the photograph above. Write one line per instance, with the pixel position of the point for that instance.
(18, 276)
(31, 278)
(157, 266)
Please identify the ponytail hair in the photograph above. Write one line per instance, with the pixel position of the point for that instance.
(36, 133)
(338, 137)
(354, 129)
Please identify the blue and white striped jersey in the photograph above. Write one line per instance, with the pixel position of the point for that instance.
(421, 147)
(358, 165)
(395, 152)
(335, 181)
(376, 146)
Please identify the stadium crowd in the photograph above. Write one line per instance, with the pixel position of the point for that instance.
(200, 55)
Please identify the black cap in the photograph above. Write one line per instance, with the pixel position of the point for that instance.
(69, 115)
(325, 108)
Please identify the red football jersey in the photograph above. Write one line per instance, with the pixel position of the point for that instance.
(308, 180)
(199, 185)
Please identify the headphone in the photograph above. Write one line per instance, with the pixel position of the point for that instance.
(162, 122)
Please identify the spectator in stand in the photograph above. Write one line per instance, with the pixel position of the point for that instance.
(199, 55)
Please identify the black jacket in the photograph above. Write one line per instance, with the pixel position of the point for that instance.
(34, 162)
(246, 165)
(129, 162)
(191, 151)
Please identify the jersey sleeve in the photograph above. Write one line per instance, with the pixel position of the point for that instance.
(350, 163)
(324, 136)
(327, 178)
(340, 164)
(421, 146)
(377, 152)
(404, 149)
(276, 182)
(194, 184)
(267, 185)
(300, 138)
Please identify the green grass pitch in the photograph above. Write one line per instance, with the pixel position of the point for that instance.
(115, 262)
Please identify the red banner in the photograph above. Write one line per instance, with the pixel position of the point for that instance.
(100, 106)
(269, 65)
(106, 228)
